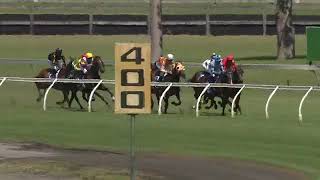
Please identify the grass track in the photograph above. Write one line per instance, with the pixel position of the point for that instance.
(248, 49)
(278, 141)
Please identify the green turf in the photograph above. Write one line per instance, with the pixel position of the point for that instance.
(278, 141)
(141, 7)
(247, 49)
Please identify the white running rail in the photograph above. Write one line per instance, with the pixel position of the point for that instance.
(91, 95)
(3, 80)
(301, 103)
(268, 101)
(163, 84)
(234, 100)
(161, 98)
(199, 99)
(46, 94)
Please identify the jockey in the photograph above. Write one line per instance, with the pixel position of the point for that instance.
(56, 60)
(165, 66)
(82, 65)
(233, 63)
(213, 66)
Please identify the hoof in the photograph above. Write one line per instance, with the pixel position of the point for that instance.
(193, 107)
(38, 99)
(113, 98)
(59, 103)
(215, 107)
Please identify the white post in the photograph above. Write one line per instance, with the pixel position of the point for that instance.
(199, 99)
(234, 100)
(46, 94)
(268, 101)
(3, 80)
(161, 98)
(301, 103)
(91, 95)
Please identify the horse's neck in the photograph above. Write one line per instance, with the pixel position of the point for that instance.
(171, 78)
(236, 77)
(176, 78)
(94, 72)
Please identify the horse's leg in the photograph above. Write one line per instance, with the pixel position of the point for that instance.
(166, 104)
(104, 88)
(65, 97)
(223, 104)
(212, 102)
(84, 97)
(179, 99)
(77, 99)
(102, 98)
(152, 103)
(205, 98)
(237, 103)
(195, 95)
(71, 98)
(158, 97)
(40, 94)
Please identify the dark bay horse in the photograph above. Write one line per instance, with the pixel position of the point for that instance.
(230, 77)
(45, 73)
(177, 73)
(96, 68)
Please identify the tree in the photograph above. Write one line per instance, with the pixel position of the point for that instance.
(285, 30)
(156, 29)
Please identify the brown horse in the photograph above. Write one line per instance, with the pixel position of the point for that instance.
(177, 73)
(45, 73)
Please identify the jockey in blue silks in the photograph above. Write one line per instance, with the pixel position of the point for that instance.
(213, 66)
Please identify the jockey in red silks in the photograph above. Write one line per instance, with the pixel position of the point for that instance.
(229, 58)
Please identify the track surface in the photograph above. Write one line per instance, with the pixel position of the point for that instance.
(160, 166)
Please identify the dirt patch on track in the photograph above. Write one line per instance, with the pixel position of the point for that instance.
(156, 166)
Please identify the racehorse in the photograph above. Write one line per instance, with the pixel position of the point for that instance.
(177, 73)
(230, 76)
(45, 73)
(96, 68)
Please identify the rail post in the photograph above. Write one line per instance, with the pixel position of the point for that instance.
(161, 98)
(31, 18)
(268, 101)
(301, 103)
(91, 95)
(90, 24)
(234, 100)
(3, 80)
(208, 31)
(199, 99)
(46, 94)
(264, 23)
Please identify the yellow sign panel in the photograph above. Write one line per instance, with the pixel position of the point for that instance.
(132, 78)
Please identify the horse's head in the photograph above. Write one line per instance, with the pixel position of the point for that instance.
(179, 69)
(98, 63)
(237, 75)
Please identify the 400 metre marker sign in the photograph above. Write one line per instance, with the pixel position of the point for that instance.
(132, 78)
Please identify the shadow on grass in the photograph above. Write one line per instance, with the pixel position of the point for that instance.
(212, 114)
